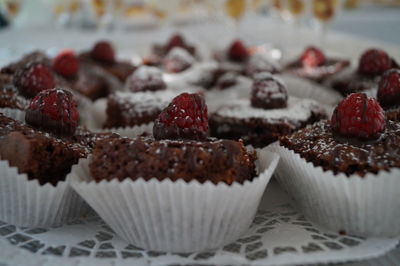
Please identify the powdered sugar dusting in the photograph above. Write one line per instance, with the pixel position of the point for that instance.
(147, 73)
(142, 102)
(297, 110)
(181, 54)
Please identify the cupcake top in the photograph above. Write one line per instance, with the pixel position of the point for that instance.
(315, 65)
(145, 78)
(142, 102)
(372, 64)
(297, 111)
(357, 140)
(181, 150)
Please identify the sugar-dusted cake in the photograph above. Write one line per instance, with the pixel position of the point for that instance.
(50, 143)
(269, 113)
(372, 64)
(127, 109)
(349, 145)
(145, 78)
(314, 65)
(103, 55)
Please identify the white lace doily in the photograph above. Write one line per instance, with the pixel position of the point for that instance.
(279, 236)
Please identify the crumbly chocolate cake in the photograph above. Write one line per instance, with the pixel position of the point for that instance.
(393, 113)
(260, 127)
(40, 155)
(91, 82)
(9, 98)
(119, 69)
(330, 67)
(215, 160)
(125, 109)
(317, 144)
(35, 56)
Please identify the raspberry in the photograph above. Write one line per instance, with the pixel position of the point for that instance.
(103, 51)
(33, 78)
(238, 51)
(175, 41)
(358, 116)
(66, 63)
(268, 92)
(389, 88)
(54, 111)
(184, 118)
(374, 62)
(312, 57)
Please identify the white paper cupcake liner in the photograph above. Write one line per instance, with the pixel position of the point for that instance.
(366, 206)
(302, 88)
(26, 203)
(15, 114)
(175, 216)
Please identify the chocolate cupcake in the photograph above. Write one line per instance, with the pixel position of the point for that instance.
(389, 94)
(37, 156)
(181, 165)
(315, 66)
(268, 114)
(343, 173)
(372, 64)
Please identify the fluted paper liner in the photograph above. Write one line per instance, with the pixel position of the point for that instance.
(175, 216)
(303, 88)
(13, 113)
(26, 203)
(366, 206)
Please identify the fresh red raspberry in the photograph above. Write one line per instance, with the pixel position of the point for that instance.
(103, 51)
(34, 78)
(374, 62)
(238, 51)
(175, 41)
(312, 57)
(184, 118)
(389, 88)
(54, 111)
(358, 116)
(268, 92)
(66, 63)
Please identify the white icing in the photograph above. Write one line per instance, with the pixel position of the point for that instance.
(296, 111)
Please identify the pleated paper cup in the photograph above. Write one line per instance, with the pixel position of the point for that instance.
(366, 206)
(175, 216)
(15, 114)
(26, 203)
(303, 88)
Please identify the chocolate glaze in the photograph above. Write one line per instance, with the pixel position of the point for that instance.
(317, 144)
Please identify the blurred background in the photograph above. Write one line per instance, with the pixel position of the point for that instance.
(379, 19)
(27, 24)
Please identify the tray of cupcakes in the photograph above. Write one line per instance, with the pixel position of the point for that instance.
(229, 159)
